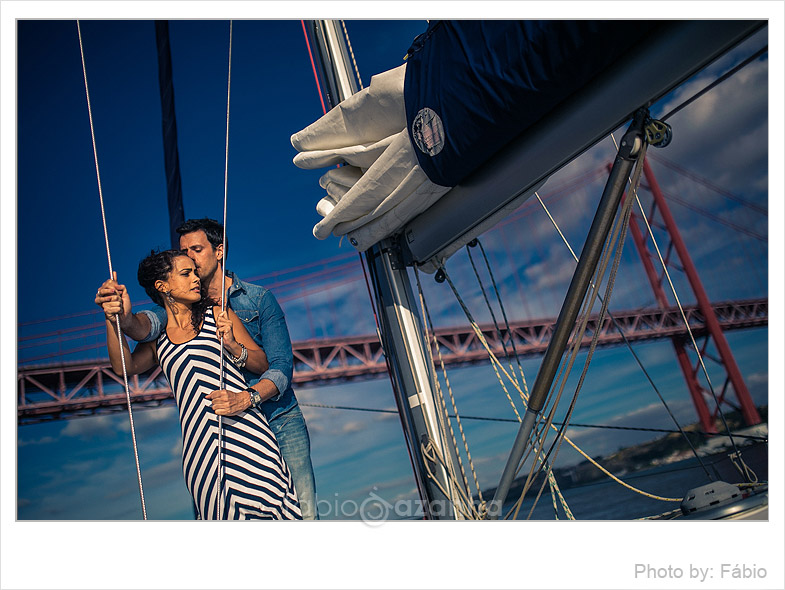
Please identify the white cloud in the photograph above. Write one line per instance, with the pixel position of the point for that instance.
(352, 426)
(96, 426)
(44, 440)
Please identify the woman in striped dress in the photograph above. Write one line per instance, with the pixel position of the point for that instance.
(232, 465)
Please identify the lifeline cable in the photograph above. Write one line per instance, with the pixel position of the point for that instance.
(111, 273)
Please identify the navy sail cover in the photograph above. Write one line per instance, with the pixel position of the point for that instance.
(473, 86)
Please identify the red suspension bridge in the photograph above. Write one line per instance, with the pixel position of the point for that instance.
(52, 387)
(68, 390)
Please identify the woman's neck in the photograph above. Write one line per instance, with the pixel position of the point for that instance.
(178, 314)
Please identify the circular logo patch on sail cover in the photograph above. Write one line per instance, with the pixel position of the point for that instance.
(428, 132)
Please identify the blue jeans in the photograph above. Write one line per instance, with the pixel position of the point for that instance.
(295, 444)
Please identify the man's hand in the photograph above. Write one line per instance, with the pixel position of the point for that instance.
(113, 299)
(229, 403)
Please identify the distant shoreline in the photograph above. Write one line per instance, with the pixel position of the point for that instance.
(664, 450)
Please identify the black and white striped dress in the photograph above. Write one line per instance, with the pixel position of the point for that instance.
(256, 480)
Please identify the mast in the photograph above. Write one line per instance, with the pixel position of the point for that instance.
(400, 326)
(174, 189)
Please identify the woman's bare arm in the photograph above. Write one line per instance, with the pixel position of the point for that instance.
(235, 333)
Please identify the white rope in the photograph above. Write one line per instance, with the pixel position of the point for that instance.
(120, 335)
(428, 325)
(354, 61)
(619, 231)
(495, 361)
(223, 275)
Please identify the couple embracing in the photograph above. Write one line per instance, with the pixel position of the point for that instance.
(263, 470)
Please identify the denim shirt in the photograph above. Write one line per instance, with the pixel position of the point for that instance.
(264, 319)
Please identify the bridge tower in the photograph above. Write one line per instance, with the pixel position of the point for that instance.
(714, 333)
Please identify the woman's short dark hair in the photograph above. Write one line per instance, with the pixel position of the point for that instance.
(156, 267)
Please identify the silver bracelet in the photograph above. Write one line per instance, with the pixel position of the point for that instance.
(240, 360)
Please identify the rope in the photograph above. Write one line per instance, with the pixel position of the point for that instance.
(466, 505)
(490, 309)
(504, 314)
(428, 332)
(221, 467)
(351, 52)
(498, 364)
(551, 479)
(618, 237)
(565, 372)
(744, 469)
(120, 335)
(524, 396)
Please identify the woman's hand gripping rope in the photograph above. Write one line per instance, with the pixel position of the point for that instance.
(225, 402)
(225, 330)
(114, 300)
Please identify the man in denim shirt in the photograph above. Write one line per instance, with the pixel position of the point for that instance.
(202, 241)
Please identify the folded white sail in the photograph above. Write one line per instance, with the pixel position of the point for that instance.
(381, 186)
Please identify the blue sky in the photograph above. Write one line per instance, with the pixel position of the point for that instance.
(83, 469)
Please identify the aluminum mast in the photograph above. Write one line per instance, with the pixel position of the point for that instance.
(401, 328)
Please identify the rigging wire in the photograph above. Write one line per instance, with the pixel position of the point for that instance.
(120, 335)
(497, 364)
(524, 391)
(716, 82)
(617, 237)
(688, 328)
(624, 337)
(504, 314)
(313, 66)
(490, 308)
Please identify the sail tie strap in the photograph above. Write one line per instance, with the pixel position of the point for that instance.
(120, 335)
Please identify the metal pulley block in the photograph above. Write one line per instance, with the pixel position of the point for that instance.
(658, 133)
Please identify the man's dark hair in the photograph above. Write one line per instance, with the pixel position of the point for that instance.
(211, 228)
(157, 267)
